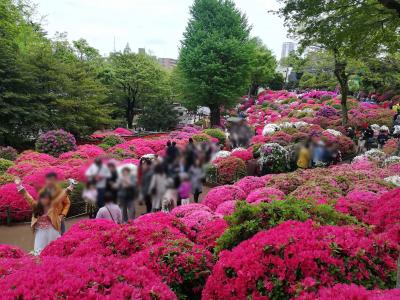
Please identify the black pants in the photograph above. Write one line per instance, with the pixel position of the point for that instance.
(196, 196)
(100, 197)
(147, 201)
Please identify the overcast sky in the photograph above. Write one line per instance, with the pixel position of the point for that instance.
(156, 25)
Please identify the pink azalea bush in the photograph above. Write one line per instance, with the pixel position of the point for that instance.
(226, 208)
(95, 278)
(38, 176)
(250, 183)
(384, 214)
(295, 257)
(230, 169)
(15, 202)
(265, 195)
(357, 203)
(7, 251)
(220, 194)
(350, 291)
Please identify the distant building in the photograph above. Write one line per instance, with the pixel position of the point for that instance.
(287, 48)
(168, 63)
(142, 51)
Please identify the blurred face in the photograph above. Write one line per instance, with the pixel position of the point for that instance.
(51, 181)
(45, 201)
(126, 172)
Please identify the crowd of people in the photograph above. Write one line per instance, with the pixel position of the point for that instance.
(162, 183)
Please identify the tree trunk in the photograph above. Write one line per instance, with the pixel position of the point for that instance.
(129, 113)
(253, 90)
(215, 116)
(342, 77)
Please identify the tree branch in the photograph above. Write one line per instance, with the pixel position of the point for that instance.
(391, 4)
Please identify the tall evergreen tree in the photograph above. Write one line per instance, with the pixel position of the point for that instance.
(215, 56)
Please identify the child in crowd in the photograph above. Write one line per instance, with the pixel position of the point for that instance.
(110, 210)
(185, 189)
(170, 198)
(89, 195)
(45, 222)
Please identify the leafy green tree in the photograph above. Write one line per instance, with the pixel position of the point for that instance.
(135, 79)
(348, 29)
(158, 115)
(276, 82)
(216, 55)
(263, 66)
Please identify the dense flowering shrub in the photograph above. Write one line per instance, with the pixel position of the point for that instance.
(243, 154)
(327, 112)
(201, 138)
(287, 182)
(55, 142)
(38, 177)
(5, 164)
(390, 146)
(120, 241)
(96, 277)
(216, 133)
(84, 152)
(357, 203)
(249, 219)
(273, 158)
(183, 265)
(320, 190)
(197, 219)
(122, 131)
(230, 169)
(250, 183)
(32, 156)
(220, 194)
(7, 251)
(6, 178)
(265, 195)
(294, 257)
(210, 232)
(11, 199)
(8, 153)
(111, 141)
(350, 291)
(226, 208)
(385, 214)
(183, 210)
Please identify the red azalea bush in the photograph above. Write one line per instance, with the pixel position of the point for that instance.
(84, 152)
(295, 257)
(265, 195)
(120, 241)
(8, 251)
(32, 156)
(93, 278)
(210, 232)
(243, 154)
(350, 291)
(385, 214)
(11, 199)
(183, 265)
(221, 194)
(230, 169)
(250, 183)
